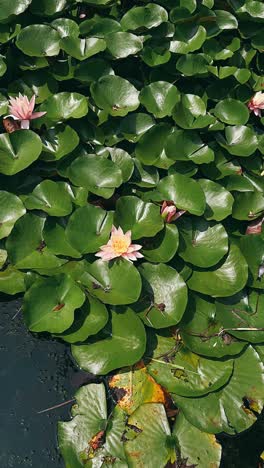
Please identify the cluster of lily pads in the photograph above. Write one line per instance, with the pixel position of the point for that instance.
(145, 149)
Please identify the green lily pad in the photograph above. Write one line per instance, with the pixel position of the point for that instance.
(101, 176)
(148, 16)
(185, 373)
(163, 246)
(38, 83)
(92, 69)
(89, 320)
(184, 192)
(48, 7)
(224, 280)
(152, 437)
(58, 141)
(89, 228)
(194, 445)
(12, 281)
(26, 247)
(63, 106)
(248, 205)
(18, 150)
(123, 345)
(52, 197)
(164, 295)
(50, 303)
(159, 98)
(123, 44)
(239, 140)
(243, 311)
(202, 243)
(201, 330)
(233, 408)
(252, 247)
(143, 219)
(56, 240)
(116, 283)
(232, 112)
(115, 95)
(12, 209)
(15, 8)
(38, 40)
(82, 49)
(219, 201)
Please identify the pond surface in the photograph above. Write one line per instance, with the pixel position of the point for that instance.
(37, 373)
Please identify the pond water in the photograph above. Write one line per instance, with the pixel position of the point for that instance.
(37, 373)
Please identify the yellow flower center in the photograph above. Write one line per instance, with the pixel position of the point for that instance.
(120, 244)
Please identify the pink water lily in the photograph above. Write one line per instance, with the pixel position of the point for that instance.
(169, 211)
(21, 109)
(120, 245)
(256, 103)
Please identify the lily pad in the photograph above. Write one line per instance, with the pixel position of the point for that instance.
(123, 344)
(164, 295)
(39, 40)
(202, 243)
(182, 372)
(52, 197)
(159, 98)
(143, 219)
(50, 303)
(219, 201)
(18, 150)
(89, 228)
(163, 246)
(115, 283)
(12, 209)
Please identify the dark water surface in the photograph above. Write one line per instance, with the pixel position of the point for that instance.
(37, 373)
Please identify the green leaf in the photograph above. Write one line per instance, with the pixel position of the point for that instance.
(143, 219)
(89, 228)
(159, 98)
(219, 201)
(194, 445)
(201, 330)
(115, 95)
(186, 373)
(202, 243)
(59, 141)
(50, 303)
(187, 38)
(123, 44)
(55, 238)
(12, 209)
(232, 112)
(92, 69)
(40, 83)
(252, 248)
(82, 49)
(124, 161)
(39, 40)
(231, 409)
(227, 279)
(74, 436)
(116, 283)
(26, 247)
(99, 26)
(150, 147)
(52, 197)
(184, 192)
(193, 64)
(242, 312)
(18, 150)
(163, 246)
(89, 320)
(123, 345)
(164, 295)
(66, 27)
(148, 16)
(134, 125)
(101, 176)
(248, 205)
(12, 281)
(13, 8)
(63, 106)
(239, 140)
(152, 437)
(48, 7)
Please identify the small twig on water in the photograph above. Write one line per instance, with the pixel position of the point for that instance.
(16, 314)
(56, 406)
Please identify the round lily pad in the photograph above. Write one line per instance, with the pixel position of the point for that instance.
(12, 209)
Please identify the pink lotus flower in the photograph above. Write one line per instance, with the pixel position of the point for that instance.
(21, 108)
(119, 245)
(256, 103)
(169, 212)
